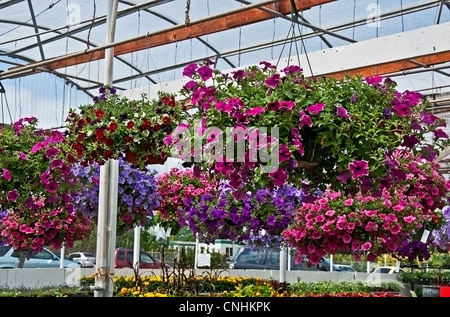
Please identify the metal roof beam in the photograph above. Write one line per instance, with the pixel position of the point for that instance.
(388, 54)
(236, 18)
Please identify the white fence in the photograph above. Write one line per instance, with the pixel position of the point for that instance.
(54, 277)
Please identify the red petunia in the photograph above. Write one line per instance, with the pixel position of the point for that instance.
(99, 113)
(112, 126)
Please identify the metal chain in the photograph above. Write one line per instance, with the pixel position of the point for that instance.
(188, 7)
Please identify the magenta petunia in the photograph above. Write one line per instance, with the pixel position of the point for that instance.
(51, 152)
(6, 174)
(344, 177)
(12, 195)
(304, 119)
(316, 109)
(205, 72)
(342, 112)
(374, 80)
(402, 110)
(428, 118)
(235, 180)
(279, 177)
(45, 177)
(273, 81)
(224, 107)
(292, 69)
(56, 163)
(23, 156)
(224, 168)
(346, 238)
(254, 111)
(359, 168)
(410, 141)
(190, 70)
(287, 105)
(239, 74)
(440, 134)
(52, 187)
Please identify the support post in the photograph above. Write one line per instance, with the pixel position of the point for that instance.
(106, 229)
(137, 247)
(282, 264)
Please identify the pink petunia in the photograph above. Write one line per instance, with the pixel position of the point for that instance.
(366, 246)
(410, 219)
(348, 202)
(346, 238)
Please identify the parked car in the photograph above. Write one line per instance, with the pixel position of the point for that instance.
(123, 258)
(83, 259)
(269, 259)
(345, 268)
(388, 270)
(9, 259)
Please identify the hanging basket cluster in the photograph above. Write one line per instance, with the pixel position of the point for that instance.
(115, 126)
(37, 190)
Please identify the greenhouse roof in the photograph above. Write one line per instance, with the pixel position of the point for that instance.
(52, 52)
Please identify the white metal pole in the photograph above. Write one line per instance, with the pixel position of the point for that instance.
(331, 262)
(282, 264)
(61, 256)
(289, 256)
(102, 220)
(196, 251)
(137, 246)
(112, 222)
(107, 211)
(109, 52)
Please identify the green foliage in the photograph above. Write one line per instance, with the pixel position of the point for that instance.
(432, 277)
